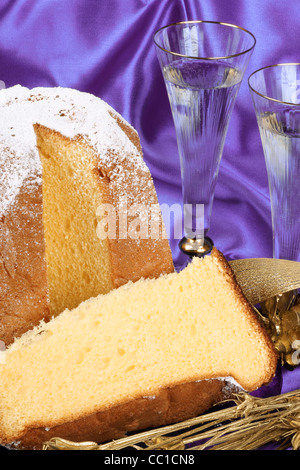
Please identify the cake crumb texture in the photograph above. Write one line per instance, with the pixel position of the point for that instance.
(175, 339)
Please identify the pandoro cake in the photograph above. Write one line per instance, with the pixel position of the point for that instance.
(64, 154)
(145, 354)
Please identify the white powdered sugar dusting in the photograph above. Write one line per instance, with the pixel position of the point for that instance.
(67, 111)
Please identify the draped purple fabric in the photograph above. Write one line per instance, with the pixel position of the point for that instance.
(105, 47)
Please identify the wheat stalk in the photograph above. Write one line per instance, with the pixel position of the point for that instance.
(249, 424)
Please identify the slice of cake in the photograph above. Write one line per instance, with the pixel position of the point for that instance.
(64, 155)
(145, 354)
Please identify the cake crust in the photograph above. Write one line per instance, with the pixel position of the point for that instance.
(24, 298)
(168, 406)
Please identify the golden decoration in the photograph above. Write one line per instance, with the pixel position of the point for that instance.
(274, 284)
(264, 278)
(282, 319)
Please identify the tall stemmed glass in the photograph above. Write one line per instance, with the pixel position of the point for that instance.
(203, 64)
(275, 91)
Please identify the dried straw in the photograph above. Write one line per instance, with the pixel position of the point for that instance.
(249, 424)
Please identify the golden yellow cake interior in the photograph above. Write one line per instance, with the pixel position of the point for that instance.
(130, 343)
(70, 201)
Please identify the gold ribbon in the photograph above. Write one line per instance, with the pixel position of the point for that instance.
(264, 278)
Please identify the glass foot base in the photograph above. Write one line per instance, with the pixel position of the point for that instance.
(196, 247)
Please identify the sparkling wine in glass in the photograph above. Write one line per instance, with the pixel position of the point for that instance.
(203, 64)
(275, 91)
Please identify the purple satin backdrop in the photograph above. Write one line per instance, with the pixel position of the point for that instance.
(105, 47)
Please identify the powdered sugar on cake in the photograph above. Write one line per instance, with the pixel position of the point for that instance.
(70, 112)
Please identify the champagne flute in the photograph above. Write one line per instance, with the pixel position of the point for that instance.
(275, 92)
(203, 64)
